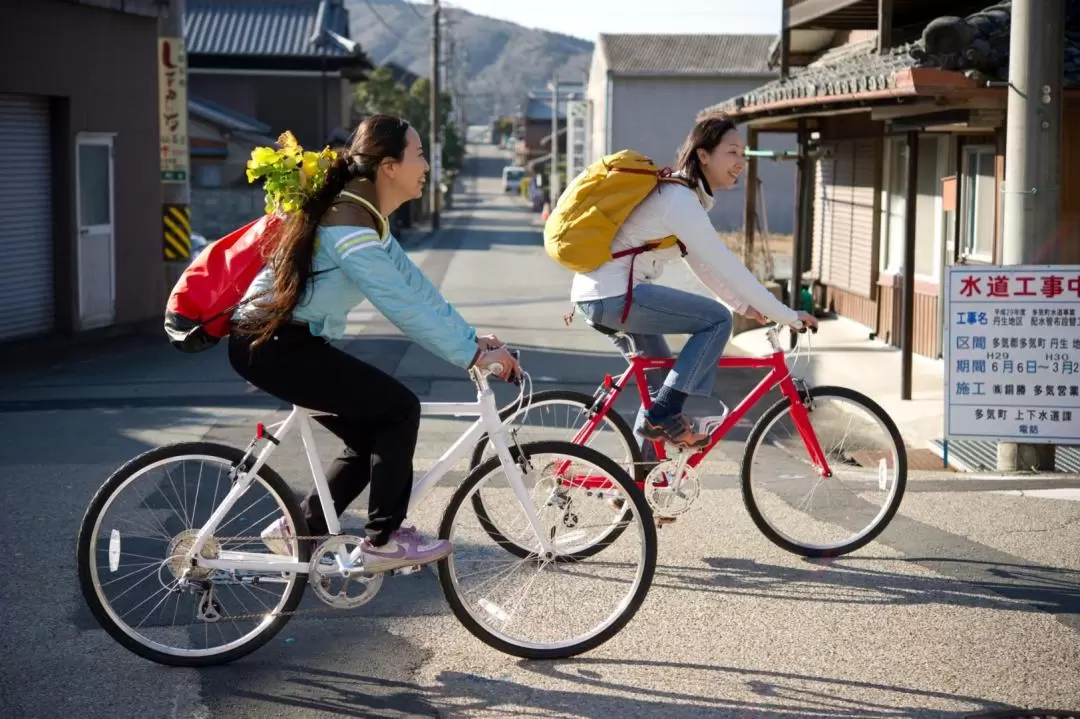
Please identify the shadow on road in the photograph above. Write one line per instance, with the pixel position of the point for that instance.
(595, 683)
(855, 580)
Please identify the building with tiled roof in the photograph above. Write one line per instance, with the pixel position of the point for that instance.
(923, 92)
(644, 92)
(287, 63)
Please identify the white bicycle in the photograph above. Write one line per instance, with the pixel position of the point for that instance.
(184, 579)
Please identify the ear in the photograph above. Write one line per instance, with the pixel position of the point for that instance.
(702, 156)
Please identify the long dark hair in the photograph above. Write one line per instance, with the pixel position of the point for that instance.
(709, 129)
(291, 249)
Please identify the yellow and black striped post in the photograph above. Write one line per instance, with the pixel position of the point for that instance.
(177, 231)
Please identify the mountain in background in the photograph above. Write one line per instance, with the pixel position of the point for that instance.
(491, 63)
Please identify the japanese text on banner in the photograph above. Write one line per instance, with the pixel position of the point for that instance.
(1012, 358)
(172, 109)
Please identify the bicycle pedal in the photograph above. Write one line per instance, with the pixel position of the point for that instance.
(405, 571)
(662, 522)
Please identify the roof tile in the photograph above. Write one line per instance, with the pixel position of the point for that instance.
(262, 27)
(982, 39)
(687, 54)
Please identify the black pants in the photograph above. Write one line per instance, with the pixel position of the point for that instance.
(376, 416)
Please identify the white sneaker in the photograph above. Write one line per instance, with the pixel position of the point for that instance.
(277, 537)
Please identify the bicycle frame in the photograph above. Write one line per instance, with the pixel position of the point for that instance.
(779, 375)
(487, 413)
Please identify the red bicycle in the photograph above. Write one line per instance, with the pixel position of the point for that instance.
(783, 478)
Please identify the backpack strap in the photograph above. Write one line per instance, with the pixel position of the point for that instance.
(633, 252)
(380, 224)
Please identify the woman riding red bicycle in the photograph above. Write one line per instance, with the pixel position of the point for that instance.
(711, 157)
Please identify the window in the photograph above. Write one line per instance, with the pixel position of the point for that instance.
(206, 174)
(893, 204)
(978, 200)
(929, 220)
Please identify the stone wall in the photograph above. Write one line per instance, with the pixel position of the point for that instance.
(218, 211)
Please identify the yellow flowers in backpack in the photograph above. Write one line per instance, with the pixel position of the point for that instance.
(579, 231)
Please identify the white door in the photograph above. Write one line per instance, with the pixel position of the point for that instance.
(94, 192)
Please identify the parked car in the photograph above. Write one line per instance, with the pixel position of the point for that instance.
(512, 175)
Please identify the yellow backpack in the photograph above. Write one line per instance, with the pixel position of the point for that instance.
(579, 230)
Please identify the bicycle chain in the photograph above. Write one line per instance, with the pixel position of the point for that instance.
(294, 612)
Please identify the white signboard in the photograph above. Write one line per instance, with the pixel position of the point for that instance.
(172, 109)
(577, 115)
(1012, 353)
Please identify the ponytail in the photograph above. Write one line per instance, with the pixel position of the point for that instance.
(290, 252)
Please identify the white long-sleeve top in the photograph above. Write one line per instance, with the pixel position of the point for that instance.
(674, 209)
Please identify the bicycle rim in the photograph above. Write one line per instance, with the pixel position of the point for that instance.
(811, 515)
(476, 578)
(155, 537)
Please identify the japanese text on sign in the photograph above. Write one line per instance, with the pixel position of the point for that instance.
(172, 109)
(1012, 353)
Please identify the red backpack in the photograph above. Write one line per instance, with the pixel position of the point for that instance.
(200, 307)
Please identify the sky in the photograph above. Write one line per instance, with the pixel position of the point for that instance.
(588, 18)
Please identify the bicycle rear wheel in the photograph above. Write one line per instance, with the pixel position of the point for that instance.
(782, 488)
(133, 538)
(542, 628)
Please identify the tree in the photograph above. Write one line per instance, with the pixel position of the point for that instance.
(381, 94)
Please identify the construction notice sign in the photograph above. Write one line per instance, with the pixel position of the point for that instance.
(1012, 353)
(172, 109)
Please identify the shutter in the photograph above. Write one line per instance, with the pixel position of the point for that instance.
(26, 241)
(863, 193)
(844, 224)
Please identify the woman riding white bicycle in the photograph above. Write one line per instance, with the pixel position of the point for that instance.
(326, 260)
(711, 157)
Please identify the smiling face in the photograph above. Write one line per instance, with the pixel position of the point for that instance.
(405, 178)
(723, 165)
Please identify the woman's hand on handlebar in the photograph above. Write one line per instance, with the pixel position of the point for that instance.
(807, 322)
(500, 362)
(488, 342)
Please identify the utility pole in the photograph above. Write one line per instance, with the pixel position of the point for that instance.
(554, 186)
(173, 140)
(1032, 159)
(435, 177)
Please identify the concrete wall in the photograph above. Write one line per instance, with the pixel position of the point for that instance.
(284, 102)
(596, 93)
(98, 67)
(655, 114)
(216, 212)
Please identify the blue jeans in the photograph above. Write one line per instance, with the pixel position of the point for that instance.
(656, 311)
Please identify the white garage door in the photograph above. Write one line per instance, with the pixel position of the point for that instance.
(26, 237)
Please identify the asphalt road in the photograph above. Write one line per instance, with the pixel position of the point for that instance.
(968, 603)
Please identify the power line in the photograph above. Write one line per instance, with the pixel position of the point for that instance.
(412, 6)
(383, 21)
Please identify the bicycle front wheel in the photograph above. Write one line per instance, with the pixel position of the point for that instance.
(815, 516)
(571, 608)
(559, 415)
(135, 535)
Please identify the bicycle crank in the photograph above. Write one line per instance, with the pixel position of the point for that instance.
(334, 577)
(671, 488)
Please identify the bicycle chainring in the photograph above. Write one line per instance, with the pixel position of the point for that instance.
(667, 496)
(338, 588)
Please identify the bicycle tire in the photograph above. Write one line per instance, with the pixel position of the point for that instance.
(116, 481)
(754, 440)
(632, 493)
(577, 399)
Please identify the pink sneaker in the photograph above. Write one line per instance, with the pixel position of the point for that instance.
(406, 548)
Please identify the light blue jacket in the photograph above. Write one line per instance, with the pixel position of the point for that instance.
(354, 264)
